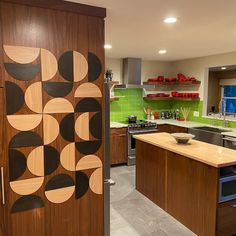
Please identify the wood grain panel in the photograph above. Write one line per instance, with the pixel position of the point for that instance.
(58, 105)
(82, 126)
(35, 161)
(24, 122)
(33, 97)
(50, 129)
(48, 65)
(151, 172)
(192, 189)
(22, 55)
(27, 186)
(89, 162)
(226, 218)
(88, 90)
(60, 195)
(64, 6)
(68, 157)
(80, 66)
(96, 181)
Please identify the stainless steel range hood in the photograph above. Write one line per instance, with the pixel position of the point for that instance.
(131, 77)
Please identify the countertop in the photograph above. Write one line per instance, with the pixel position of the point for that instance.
(203, 152)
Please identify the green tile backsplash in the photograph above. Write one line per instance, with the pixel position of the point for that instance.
(132, 103)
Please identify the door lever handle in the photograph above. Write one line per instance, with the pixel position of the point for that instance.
(109, 181)
(2, 185)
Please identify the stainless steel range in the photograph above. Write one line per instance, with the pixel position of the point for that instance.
(138, 128)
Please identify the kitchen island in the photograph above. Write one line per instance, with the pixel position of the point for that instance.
(183, 180)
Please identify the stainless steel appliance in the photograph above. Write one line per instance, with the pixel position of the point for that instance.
(208, 134)
(138, 128)
(227, 184)
(229, 142)
(107, 180)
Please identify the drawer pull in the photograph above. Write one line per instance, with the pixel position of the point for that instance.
(2, 185)
(234, 205)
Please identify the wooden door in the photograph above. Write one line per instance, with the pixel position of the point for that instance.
(53, 66)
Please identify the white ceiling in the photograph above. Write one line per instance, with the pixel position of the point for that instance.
(135, 28)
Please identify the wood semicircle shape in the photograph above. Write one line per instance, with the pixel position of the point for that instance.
(95, 181)
(67, 157)
(89, 162)
(58, 105)
(35, 161)
(88, 90)
(48, 65)
(50, 129)
(22, 55)
(27, 186)
(33, 97)
(80, 66)
(82, 126)
(24, 122)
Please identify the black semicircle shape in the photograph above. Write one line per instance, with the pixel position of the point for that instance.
(95, 125)
(26, 203)
(26, 139)
(94, 67)
(88, 105)
(57, 89)
(17, 164)
(59, 181)
(14, 98)
(22, 72)
(65, 66)
(51, 160)
(67, 127)
(88, 147)
(81, 185)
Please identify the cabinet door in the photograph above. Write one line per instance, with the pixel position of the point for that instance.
(118, 146)
(226, 219)
(164, 128)
(178, 129)
(53, 74)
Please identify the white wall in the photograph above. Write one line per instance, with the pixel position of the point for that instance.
(198, 68)
(149, 68)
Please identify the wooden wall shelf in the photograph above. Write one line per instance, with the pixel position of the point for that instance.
(170, 99)
(173, 83)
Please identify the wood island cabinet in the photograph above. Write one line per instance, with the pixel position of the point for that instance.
(171, 128)
(118, 146)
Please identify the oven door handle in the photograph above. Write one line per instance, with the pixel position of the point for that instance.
(229, 139)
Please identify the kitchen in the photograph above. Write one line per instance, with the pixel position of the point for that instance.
(175, 76)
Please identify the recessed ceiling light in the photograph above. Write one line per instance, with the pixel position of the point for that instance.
(223, 68)
(170, 20)
(162, 51)
(108, 46)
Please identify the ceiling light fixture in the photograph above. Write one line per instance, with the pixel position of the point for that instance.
(223, 68)
(170, 20)
(162, 51)
(108, 46)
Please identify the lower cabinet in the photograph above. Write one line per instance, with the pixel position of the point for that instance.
(171, 129)
(227, 219)
(118, 146)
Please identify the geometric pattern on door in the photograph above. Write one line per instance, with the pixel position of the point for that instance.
(80, 125)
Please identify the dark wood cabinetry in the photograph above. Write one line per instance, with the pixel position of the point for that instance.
(171, 128)
(52, 63)
(227, 219)
(118, 146)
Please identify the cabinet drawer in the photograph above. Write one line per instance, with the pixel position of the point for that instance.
(226, 225)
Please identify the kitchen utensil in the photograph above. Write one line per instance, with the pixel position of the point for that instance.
(185, 112)
(147, 110)
(182, 138)
(132, 119)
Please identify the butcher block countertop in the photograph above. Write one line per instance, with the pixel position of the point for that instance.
(203, 152)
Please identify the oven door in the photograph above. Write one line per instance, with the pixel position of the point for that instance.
(227, 188)
(131, 145)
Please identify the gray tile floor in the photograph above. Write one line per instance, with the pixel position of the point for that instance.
(132, 214)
